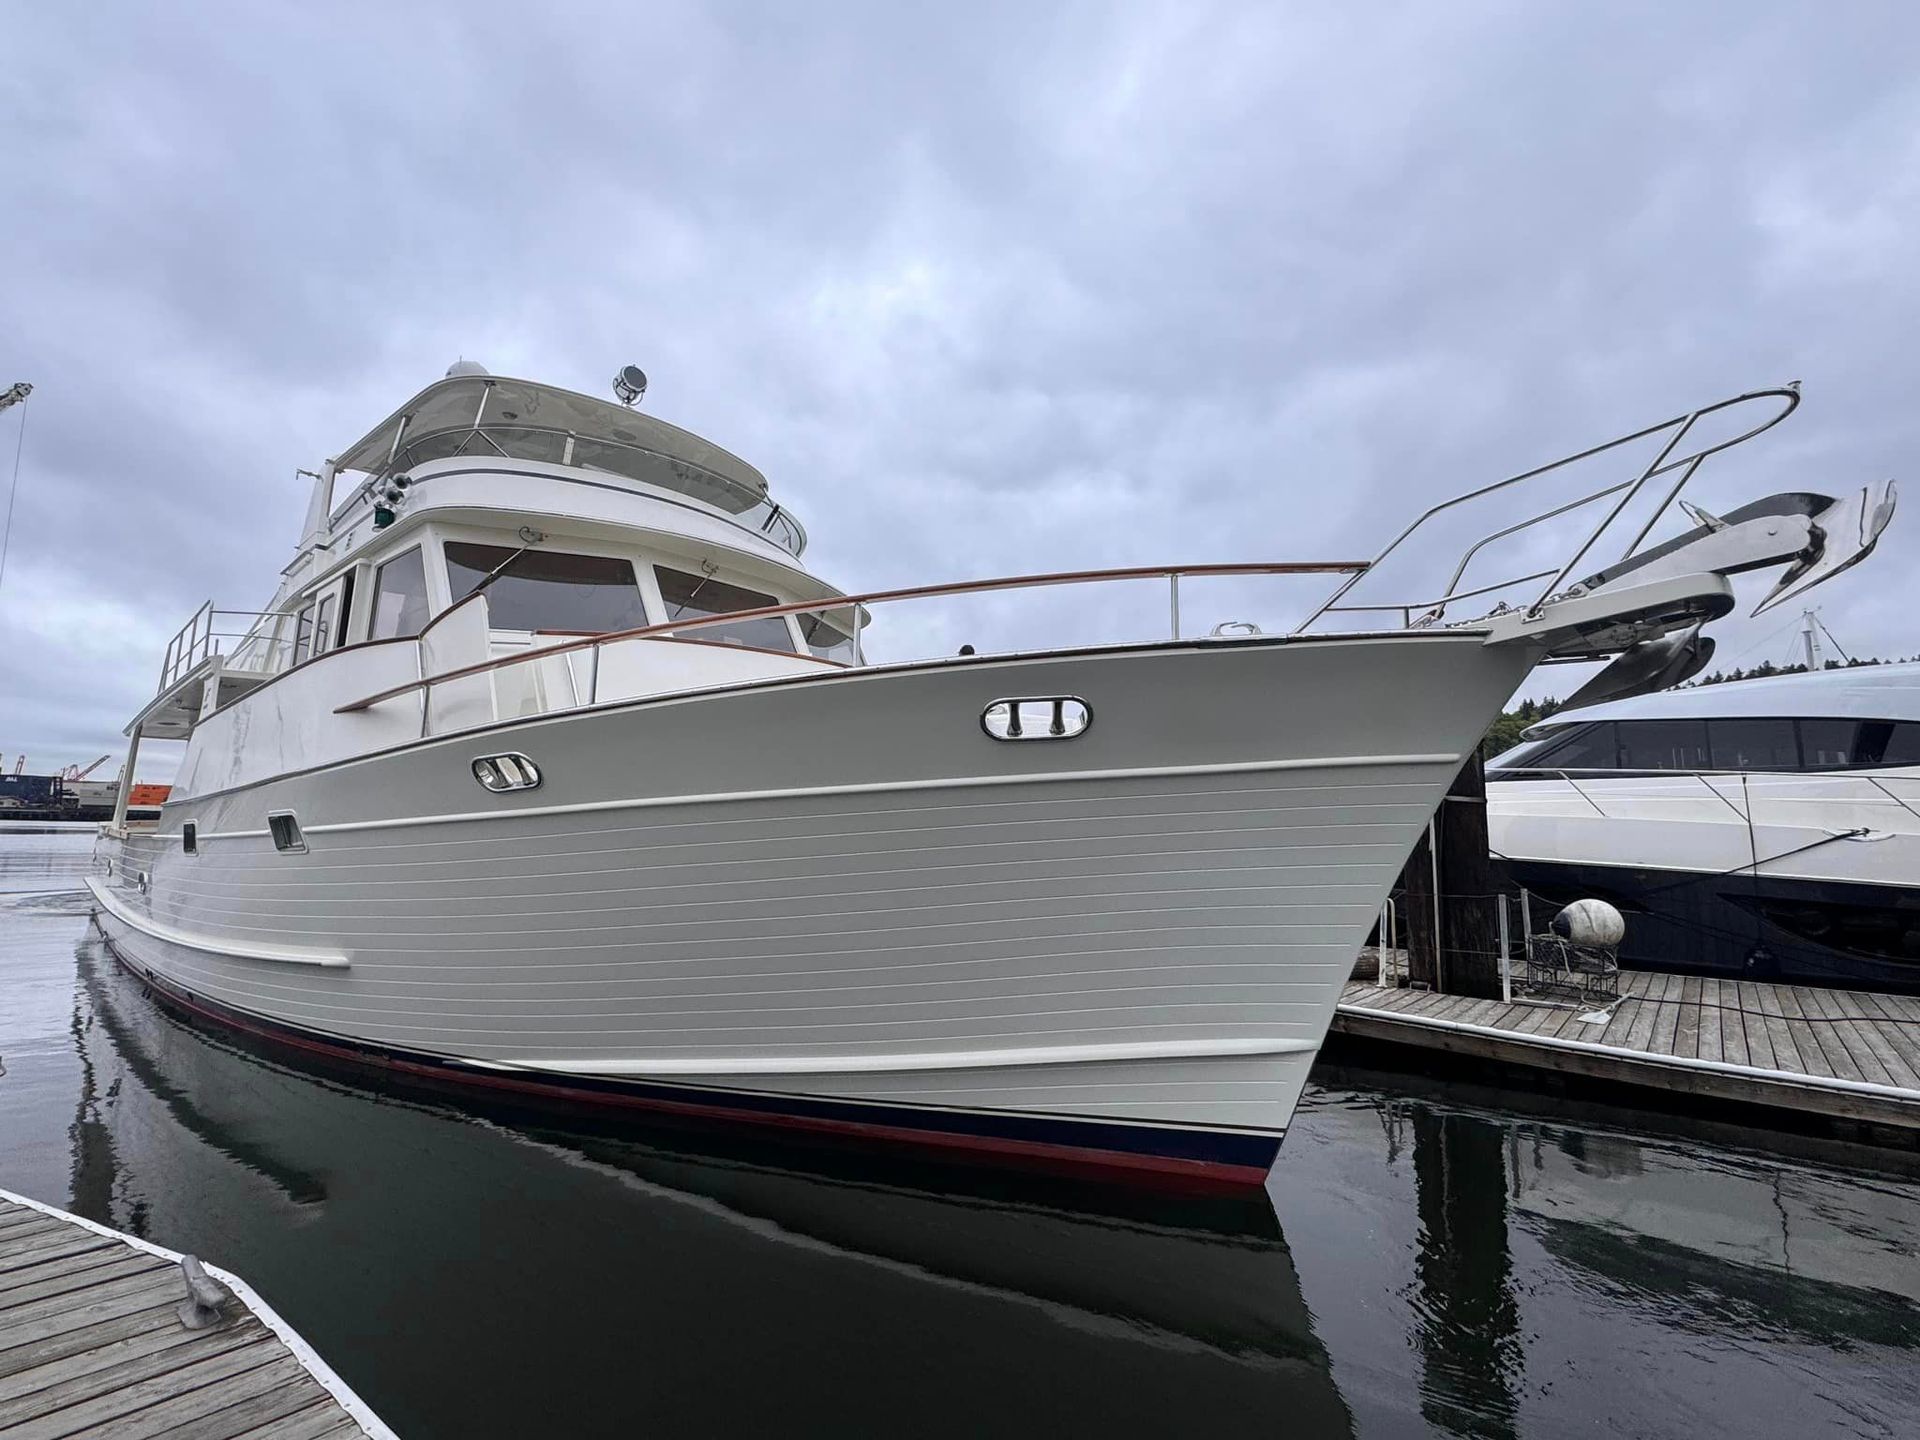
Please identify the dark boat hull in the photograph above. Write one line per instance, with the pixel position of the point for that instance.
(1751, 927)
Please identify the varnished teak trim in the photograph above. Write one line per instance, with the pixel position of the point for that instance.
(874, 597)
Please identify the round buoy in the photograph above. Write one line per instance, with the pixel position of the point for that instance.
(1590, 922)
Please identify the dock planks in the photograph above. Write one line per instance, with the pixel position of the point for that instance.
(1844, 1054)
(91, 1343)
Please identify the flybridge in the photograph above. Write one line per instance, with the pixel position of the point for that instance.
(493, 416)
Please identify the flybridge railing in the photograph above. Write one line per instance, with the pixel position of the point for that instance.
(851, 609)
(1666, 462)
(740, 503)
(200, 638)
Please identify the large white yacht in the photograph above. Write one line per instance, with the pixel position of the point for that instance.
(1767, 829)
(551, 770)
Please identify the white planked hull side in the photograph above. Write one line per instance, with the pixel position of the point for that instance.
(1150, 924)
(1719, 824)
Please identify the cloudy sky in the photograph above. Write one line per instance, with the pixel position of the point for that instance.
(983, 289)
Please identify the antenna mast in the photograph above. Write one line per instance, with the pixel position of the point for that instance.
(1810, 639)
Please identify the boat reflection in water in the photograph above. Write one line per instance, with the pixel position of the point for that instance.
(482, 1273)
(1578, 1266)
(1449, 1266)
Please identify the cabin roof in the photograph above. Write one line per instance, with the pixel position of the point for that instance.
(1867, 692)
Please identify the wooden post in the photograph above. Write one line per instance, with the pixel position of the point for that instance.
(1469, 919)
(1463, 958)
(1414, 892)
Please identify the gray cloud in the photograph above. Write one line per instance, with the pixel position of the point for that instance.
(1020, 288)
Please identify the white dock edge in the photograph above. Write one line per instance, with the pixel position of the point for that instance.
(356, 1408)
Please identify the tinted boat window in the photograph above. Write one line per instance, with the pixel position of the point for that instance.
(1663, 744)
(1754, 745)
(303, 635)
(323, 626)
(399, 597)
(548, 590)
(1832, 744)
(1902, 746)
(1592, 747)
(689, 597)
(346, 609)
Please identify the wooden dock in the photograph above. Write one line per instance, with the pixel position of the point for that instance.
(92, 1342)
(1846, 1055)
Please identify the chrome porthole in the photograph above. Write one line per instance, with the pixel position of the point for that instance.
(1037, 717)
(511, 771)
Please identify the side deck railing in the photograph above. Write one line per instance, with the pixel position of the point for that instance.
(849, 612)
(201, 637)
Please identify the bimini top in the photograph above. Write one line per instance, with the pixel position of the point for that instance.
(484, 416)
(463, 403)
(1864, 692)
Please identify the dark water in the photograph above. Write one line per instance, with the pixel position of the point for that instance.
(1427, 1261)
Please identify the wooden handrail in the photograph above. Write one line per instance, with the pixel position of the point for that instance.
(876, 597)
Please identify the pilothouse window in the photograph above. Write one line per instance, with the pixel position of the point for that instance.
(548, 589)
(692, 597)
(399, 597)
(829, 635)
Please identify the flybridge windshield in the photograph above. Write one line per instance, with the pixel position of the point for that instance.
(492, 416)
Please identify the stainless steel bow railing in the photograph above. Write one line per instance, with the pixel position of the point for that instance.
(1664, 463)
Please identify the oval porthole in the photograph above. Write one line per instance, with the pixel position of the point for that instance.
(512, 771)
(1037, 717)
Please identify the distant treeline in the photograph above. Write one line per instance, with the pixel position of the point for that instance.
(1505, 732)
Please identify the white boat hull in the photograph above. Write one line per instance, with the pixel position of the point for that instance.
(838, 902)
(1768, 876)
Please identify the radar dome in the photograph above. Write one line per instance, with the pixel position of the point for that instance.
(465, 367)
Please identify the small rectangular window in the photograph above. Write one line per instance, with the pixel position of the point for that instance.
(323, 626)
(285, 831)
(303, 635)
(694, 597)
(399, 597)
(346, 609)
(190, 838)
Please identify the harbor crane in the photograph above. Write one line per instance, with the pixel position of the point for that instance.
(76, 772)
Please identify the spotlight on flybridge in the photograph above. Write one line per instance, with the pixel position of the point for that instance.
(629, 384)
